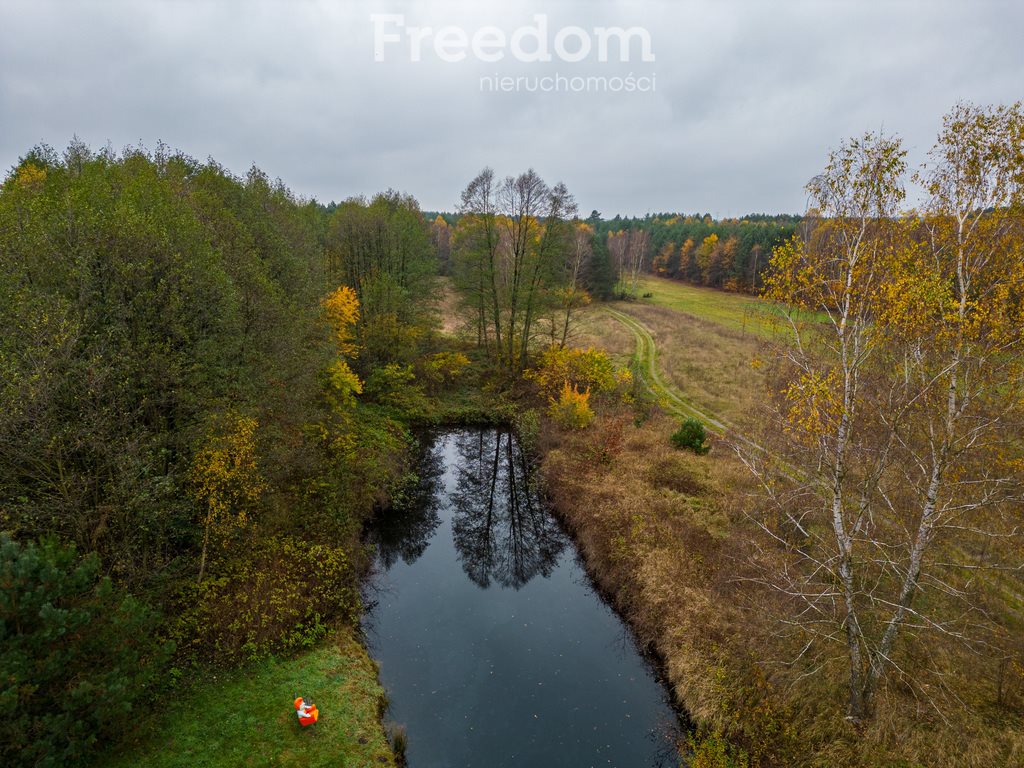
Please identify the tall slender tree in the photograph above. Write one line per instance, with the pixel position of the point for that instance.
(512, 247)
(899, 400)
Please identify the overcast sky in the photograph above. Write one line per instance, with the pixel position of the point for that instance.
(740, 105)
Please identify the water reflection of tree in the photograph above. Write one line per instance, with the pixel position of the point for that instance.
(501, 529)
(405, 530)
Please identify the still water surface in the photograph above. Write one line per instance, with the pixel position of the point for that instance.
(493, 646)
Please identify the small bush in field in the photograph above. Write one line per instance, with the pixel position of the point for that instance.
(572, 408)
(691, 435)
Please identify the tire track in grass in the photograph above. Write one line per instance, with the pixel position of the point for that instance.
(667, 394)
(672, 400)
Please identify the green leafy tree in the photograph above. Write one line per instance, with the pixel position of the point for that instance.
(601, 276)
(384, 251)
(78, 657)
(141, 293)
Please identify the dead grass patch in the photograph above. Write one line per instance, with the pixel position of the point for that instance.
(711, 364)
(664, 534)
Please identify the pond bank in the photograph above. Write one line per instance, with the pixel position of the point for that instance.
(653, 526)
(245, 716)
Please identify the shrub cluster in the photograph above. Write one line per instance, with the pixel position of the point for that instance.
(279, 597)
(585, 369)
(691, 436)
(572, 408)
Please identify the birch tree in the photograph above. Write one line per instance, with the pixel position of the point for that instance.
(628, 249)
(898, 402)
(476, 243)
(636, 257)
(572, 295)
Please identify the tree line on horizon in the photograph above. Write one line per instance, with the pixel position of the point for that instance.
(730, 253)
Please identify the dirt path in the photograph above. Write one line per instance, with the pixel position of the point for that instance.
(672, 400)
(667, 394)
(663, 389)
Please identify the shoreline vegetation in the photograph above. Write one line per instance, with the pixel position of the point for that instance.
(209, 386)
(240, 716)
(664, 534)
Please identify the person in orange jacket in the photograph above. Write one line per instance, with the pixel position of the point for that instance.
(307, 713)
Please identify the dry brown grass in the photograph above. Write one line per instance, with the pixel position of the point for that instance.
(664, 534)
(711, 364)
(448, 308)
(655, 528)
(596, 328)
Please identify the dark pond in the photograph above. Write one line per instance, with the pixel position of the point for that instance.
(493, 646)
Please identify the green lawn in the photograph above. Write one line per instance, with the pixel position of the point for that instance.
(246, 717)
(736, 311)
(732, 310)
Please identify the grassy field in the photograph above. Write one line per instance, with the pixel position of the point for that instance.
(246, 717)
(735, 311)
(666, 535)
(700, 366)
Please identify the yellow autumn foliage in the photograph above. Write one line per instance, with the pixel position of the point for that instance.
(30, 176)
(343, 382)
(572, 408)
(226, 479)
(342, 309)
(442, 368)
(589, 369)
(814, 406)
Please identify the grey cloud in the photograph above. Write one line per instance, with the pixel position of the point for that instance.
(750, 95)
